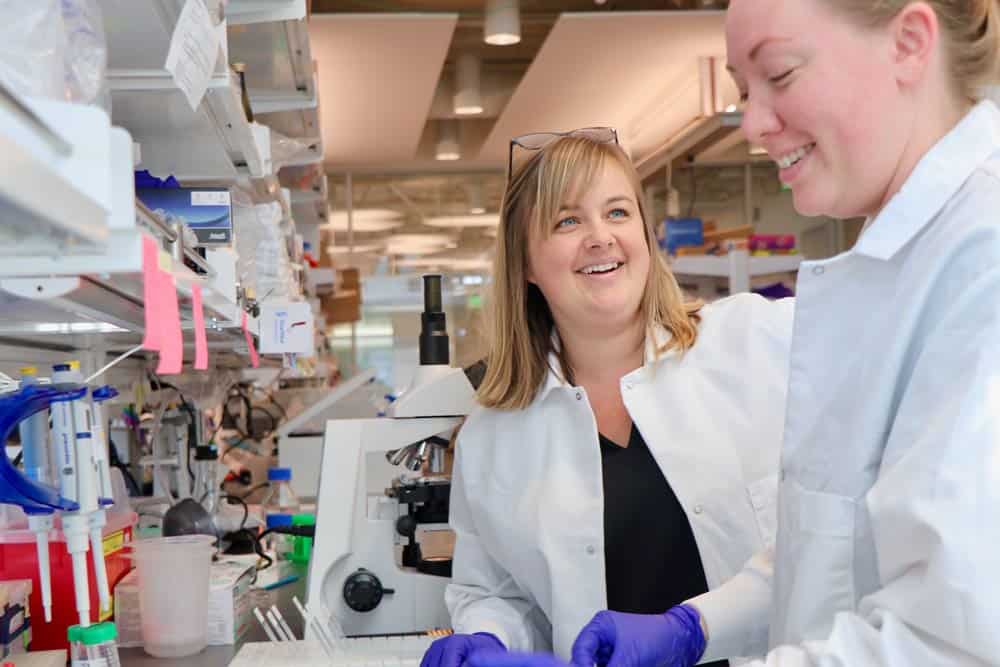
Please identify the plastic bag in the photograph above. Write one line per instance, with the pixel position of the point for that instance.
(286, 149)
(86, 54)
(32, 48)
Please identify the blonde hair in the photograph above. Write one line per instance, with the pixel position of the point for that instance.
(971, 30)
(520, 325)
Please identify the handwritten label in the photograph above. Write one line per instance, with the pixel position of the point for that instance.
(193, 52)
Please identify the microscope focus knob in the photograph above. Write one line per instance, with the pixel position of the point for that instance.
(363, 591)
(406, 525)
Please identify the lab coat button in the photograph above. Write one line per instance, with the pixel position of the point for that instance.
(591, 549)
(628, 385)
(818, 270)
(579, 396)
(698, 509)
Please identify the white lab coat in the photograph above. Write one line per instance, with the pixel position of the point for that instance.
(888, 550)
(527, 503)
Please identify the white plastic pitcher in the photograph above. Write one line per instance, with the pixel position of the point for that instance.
(173, 593)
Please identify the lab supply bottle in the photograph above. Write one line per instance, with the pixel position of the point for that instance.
(278, 543)
(281, 499)
(100, 645)
(77, 651)
(34, 433)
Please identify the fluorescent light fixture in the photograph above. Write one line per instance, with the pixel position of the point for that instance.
(474, 193)
(447, 147)
(757, 150)
(467, 100)
(487, 220)
(416, 244)
(76, 327)
(365, 220)
(359, 248)
(503, 23)
(731, 108)
(448, 263)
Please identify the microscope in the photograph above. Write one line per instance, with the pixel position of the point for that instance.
(359, 572)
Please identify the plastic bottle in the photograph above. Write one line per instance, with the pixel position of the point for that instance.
(100, 645)
(35, 437)
(281, 499)
(77, 651)
(281, 545)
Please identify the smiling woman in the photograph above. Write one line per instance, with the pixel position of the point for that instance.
(623, 431)
(537, 232)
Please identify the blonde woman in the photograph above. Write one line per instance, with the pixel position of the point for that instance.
(888, 538)
(626, 452)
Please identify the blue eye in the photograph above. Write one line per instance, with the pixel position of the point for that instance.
(566, 222)
(618, 213)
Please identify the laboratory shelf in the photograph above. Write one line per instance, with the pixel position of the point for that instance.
(306, 184)
(139, 32)
(310, 213)
(243, 12)
(301, 124)
(213, 143)
(738, 266)
(279, 67)
(295, 123)
(55, 185)
(103, 293)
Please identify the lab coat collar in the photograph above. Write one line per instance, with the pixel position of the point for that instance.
(655, 339)
(934, 181)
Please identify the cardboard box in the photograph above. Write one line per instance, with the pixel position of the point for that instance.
(342, 307)
(15, 620)
(207, 211)
(230, 605)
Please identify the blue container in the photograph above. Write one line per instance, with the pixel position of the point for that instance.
(682, 232)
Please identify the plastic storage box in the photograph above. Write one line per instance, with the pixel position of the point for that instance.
(18, 560)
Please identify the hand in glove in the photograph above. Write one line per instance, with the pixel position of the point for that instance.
(616, 639)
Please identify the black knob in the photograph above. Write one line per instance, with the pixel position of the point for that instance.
(363, 591)
(406, 525)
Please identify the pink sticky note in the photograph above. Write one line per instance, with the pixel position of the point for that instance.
(171, 338)
(254, 359)
(150, 279)
(200, 340)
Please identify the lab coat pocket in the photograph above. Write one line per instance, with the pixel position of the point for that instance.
(764, 499)
(820, 542)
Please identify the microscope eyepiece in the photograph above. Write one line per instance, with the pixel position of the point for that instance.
(433, 326)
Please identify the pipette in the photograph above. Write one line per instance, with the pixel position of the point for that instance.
(34, 445)
(73, 445)
(98, 519)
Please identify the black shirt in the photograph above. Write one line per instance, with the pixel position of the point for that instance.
(651, 558)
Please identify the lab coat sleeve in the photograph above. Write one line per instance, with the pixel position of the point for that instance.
(934, 508)
(482, 595)
(737, 613)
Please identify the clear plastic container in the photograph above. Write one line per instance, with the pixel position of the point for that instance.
(99, 645)
(173, 593)
(77, 651)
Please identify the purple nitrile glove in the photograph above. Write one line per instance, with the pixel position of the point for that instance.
(616, 639)
(453, 651)
(516, 660)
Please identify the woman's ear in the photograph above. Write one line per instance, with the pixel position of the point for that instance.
(916, 35)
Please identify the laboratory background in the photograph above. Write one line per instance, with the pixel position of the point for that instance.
(245, 248)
